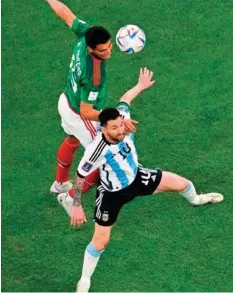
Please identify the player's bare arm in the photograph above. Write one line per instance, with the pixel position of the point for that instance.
(144, 82)
(62, 11)
(77, 214)
(88, 112)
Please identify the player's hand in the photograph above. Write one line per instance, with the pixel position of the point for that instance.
(145, 79)
(130, 125)
(77, 216)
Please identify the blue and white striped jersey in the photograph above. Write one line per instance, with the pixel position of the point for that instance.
(118, 163)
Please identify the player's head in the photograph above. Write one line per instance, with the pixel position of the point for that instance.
(98, 41)
(112, 125)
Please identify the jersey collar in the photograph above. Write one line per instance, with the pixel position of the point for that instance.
(96, 58)
(105, 140)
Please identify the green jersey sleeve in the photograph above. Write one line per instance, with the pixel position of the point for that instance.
(79, 27)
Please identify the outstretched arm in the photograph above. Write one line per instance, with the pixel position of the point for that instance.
(144, 82)
(62, 11)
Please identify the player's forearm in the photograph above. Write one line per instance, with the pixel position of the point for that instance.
(90, 114)
(62, 11)
(131, 94)
(77, 188)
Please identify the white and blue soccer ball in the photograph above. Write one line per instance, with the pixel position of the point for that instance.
(130, 39)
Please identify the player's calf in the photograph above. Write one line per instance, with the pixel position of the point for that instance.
(174, 182)
(65, 157)
(101, 236)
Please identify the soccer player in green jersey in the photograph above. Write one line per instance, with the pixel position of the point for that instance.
(85, 92)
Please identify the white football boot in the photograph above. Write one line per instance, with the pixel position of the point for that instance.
(207, 198)
(60, 187)
(83, 285)
(66, 201)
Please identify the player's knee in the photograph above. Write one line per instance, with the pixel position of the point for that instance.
(183, 184)
(72, 139)
(100, 241)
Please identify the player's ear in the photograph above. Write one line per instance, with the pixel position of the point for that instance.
(90, 49)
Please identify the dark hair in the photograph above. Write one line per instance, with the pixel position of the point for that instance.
(96, 35)
(108, 114)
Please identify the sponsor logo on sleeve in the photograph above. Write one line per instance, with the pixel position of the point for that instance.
(87, 166)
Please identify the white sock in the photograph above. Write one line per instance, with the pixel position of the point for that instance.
(91, 258)
(190, 193)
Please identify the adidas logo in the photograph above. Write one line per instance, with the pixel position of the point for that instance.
(153, 177)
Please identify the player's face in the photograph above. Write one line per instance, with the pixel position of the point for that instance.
(115, 130)
(103, 51)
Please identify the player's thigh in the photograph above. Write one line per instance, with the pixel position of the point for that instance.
(79, 131)
(171, 182)
(107, 206)
(146, 181)
(101, 236)
(73, 124)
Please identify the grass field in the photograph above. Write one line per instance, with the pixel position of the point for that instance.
(159, 244)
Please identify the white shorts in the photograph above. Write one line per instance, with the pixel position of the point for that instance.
(74, 124)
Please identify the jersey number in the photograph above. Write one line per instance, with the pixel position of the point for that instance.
(74, 67)
(145, 177)
(124, 151)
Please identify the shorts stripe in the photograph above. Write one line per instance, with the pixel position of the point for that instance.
(88, 127)
(98, 204)
(91, 125)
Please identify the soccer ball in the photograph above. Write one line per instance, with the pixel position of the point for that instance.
(130, 39)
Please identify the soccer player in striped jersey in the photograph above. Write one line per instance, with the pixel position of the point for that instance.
(85, 92)
(144, 82)
(121, 180)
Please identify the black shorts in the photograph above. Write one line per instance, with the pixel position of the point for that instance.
(108, 204)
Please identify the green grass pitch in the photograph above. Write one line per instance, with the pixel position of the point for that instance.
(159, 243)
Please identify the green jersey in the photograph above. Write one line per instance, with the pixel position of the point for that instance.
(87, 75)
